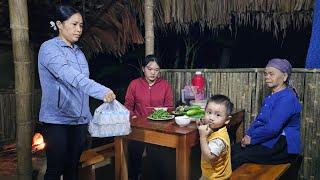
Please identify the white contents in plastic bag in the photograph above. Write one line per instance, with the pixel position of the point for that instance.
(110, 119)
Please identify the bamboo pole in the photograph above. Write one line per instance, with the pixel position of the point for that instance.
(149, 32)
(23, 66)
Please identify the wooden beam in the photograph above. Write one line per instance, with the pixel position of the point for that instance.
(149, 32)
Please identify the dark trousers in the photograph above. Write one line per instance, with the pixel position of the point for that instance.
(278, 154)
(135, 151)
(64, 145)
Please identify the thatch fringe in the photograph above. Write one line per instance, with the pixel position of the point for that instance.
(268, 15)
(112, 23)
(113, 30)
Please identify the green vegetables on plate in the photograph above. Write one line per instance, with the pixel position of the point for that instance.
(160, 115)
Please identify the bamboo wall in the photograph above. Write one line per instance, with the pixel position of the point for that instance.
(246, 89)
(8, 114)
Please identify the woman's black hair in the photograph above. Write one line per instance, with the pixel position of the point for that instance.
(61, 13)
(150, 58)
(64, 12)
(221, 99)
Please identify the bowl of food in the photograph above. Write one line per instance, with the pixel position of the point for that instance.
(182, 120)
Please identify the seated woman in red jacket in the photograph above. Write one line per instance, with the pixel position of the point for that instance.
(142, 94)
(274, 135)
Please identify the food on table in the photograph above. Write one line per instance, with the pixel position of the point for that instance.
(193, 111)
(160, 114)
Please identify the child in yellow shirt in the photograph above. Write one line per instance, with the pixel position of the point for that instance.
(214, 139)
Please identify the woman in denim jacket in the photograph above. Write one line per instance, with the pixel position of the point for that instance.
(66, 87)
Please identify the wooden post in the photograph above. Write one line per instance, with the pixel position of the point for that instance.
(23, 86)
(148, 24)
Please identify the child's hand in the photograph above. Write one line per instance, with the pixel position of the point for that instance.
(199, 123)
(204, 130)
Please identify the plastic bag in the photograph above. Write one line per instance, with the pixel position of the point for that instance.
(110, 119)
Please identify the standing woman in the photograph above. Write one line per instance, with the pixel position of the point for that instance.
(66, 87)
(274, 136)
(142, 95)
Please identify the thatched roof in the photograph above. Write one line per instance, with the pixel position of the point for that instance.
(112, 23)
(111, 27)
(268, 15)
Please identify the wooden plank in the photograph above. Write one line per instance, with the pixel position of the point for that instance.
(121, 169)
(236, 120)
(90, 157)
(182, 156)
(250, 171)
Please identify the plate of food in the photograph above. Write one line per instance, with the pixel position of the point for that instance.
(180, 110)
(161, 118)
(160, 115)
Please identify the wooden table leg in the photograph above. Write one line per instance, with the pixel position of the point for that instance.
(120, 152)
(182, 158)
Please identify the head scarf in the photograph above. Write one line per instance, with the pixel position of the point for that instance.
(281, 64)
(284, 66)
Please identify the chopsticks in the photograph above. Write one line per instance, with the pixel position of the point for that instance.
(160, 107)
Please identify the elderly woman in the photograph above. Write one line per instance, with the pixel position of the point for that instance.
(274, 135)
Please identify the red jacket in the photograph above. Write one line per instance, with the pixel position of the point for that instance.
(141, 98)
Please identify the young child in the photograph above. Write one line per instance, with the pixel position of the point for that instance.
(214, 139)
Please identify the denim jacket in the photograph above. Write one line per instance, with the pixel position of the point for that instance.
(65, 84)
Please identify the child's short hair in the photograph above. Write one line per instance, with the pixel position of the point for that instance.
(221, 99)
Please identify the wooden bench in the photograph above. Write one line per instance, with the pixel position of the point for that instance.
(94, 158)
(259, 171)
(253, 171)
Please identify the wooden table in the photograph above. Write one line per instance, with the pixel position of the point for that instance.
(164, 133)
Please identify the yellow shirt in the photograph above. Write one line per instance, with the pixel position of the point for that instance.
(221, 167)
